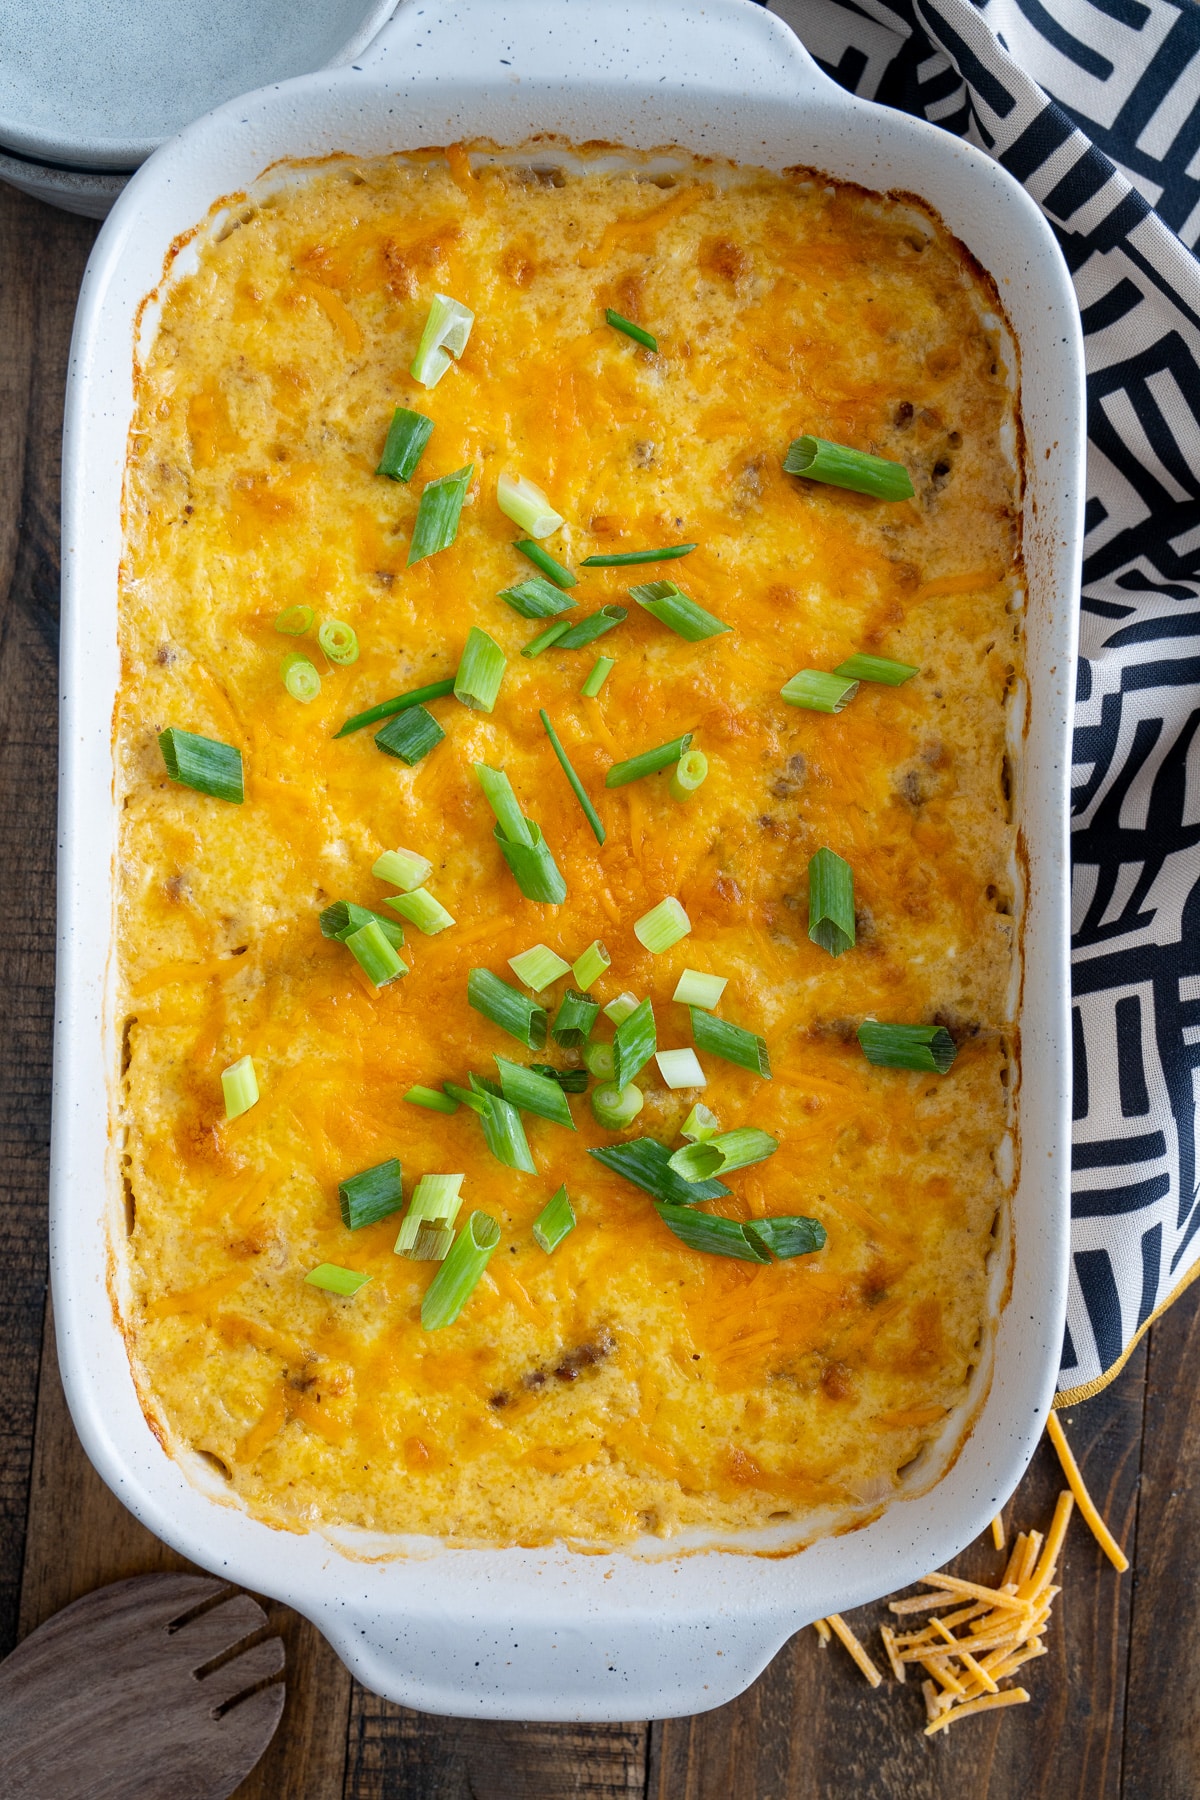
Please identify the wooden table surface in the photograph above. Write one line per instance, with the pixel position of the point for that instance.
(1115, 1713)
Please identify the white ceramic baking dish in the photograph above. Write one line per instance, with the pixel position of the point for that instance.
(552, 1633)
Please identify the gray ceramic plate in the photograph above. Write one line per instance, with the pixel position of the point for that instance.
(87, 91)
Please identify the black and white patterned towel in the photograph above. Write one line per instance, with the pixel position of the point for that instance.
(1094, 105)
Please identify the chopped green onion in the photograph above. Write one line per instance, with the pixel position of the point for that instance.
(332, 1280)
(522, 1018)
(672, 607)
(436, 1200)
(577, 787)
(536, 598)
(876, 668)
(590, 965)
(618, 1010)
(700, 1124)
(830, 902)
(616, 1107)
(594, 626)
(455, 1281)
(554, 1221)
(475, 1098)
(366, 1198)
(713, 1235)
(480, 672)
(816, 691)
(431, 1098)
(649, 762)
(696, 989)
(373, 953)
(542, 559)
(203, 763)
(626, 559)
(646, 1163)
(576, 1017)
(525, 504)
(239, 1085)
(787, 1236)
(571, 1081)
(408, 434)
(926, 1047)
(404, 869)
(294, 621)
(602, 668)
(662, 926)
(504, 1133)
(721, 1154)
(533, 866)
(300, 677)
(544, 639)
(433, 691)
(839, 466)
(438, 513)
(521, 842)
(432, 1243)
(445, 334)
(538, 967)
(410, 735)
(392, 932)
(600, 1061)
(339, 641)
(534, 1093)
(730, 1042)
(680, 1068)
(343, 917)
(634, 1043)
(619, 322)
(424, 910)
(498, 790)
(689, 774)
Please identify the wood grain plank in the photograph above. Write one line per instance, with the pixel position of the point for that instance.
(395, 1752)
(80, 1537)
(1162, 1742)
(810, 1728)
(40, 269)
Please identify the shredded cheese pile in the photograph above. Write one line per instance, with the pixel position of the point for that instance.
(992, 1631)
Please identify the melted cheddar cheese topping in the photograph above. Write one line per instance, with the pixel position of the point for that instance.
(626, 1385)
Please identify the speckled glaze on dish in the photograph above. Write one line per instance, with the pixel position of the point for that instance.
(550, 1633)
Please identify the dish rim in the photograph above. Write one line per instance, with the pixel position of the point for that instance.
(757, 1624)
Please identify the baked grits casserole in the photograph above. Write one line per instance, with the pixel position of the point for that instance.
(648, 1362)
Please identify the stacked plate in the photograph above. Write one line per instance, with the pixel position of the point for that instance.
(87, 92)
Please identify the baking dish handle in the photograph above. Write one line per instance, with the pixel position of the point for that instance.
(499, 1661)
(651, 44)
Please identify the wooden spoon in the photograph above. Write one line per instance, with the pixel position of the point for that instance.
(141, 1691)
